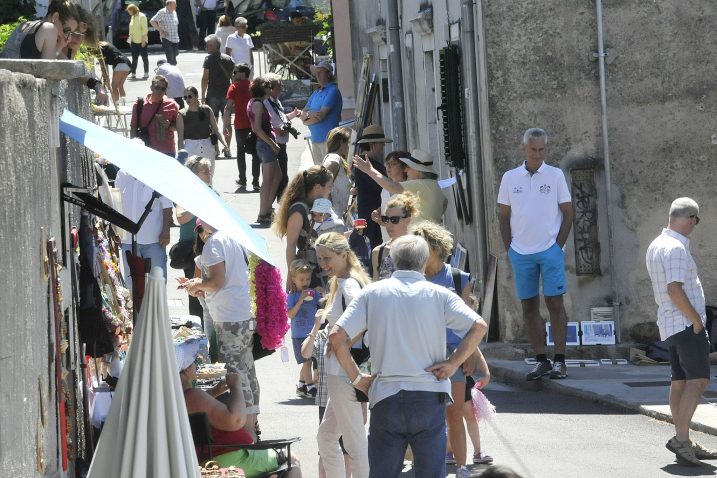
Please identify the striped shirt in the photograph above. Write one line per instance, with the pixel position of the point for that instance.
(669, 260)
(169, 23)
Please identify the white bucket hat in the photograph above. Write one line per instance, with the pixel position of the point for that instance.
(419, 160)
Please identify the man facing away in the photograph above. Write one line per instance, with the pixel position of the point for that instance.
(535, 215)
(405, 317)
(681, 319)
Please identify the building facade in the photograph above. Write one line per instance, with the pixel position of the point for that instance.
(476, 74)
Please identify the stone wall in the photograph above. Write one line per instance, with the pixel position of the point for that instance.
(36, 161)
(661, 102)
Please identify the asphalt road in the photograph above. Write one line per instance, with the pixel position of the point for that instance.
(538, 434)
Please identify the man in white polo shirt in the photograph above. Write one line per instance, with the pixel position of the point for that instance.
(405, 317)
(681, 319)
(535, 214)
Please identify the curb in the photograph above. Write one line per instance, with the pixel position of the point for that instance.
(516, 378)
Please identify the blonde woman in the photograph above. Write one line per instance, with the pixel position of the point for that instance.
(344, 415)
(338, 146)
(400, 209)
(138, 31)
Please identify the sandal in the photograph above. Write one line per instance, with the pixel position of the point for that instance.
(264, 219)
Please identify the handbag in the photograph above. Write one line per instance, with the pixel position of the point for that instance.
(181, 255)
(250, 143)
(258, 350)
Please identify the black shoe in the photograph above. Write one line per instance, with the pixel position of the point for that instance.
(256, 186)
(539, 370)
(560, 370)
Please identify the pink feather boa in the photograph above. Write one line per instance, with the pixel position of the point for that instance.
(272, 321)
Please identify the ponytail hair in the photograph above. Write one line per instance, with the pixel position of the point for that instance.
(298, 190)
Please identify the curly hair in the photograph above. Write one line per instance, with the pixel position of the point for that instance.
(439, 239)
(197, 163)
(338, 243)
(298, 190)
(406, 201)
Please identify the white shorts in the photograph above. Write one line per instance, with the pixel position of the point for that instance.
(121, 67)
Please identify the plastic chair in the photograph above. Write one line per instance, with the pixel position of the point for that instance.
(202, 437)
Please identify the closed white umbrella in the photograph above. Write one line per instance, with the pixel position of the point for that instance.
(147, 430)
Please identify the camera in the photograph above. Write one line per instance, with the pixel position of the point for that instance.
(290, 129)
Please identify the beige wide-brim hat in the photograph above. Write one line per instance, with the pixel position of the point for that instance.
(419, 160)
(322, 65)
(373, 134)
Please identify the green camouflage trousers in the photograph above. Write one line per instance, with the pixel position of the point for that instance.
(235, 349)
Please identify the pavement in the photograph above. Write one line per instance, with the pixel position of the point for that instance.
(640, 388)
(643, 389)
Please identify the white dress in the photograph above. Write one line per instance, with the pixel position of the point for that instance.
(342, 185)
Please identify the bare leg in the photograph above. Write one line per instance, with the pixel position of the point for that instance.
(472, 426)
(684, 398)
(534, 323)
(305, 374)
(118, 79)
(454, 420)
(272, 175)
(559, 321)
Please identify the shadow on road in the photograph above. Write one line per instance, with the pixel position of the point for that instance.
(681, 470)
(523, 401)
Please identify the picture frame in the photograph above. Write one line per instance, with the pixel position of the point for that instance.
(459, 257)
(598, 332)
(573, 335)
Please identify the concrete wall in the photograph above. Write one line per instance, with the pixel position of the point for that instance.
(35, 162)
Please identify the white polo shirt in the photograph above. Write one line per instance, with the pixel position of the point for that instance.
(406, 317)
(669, 260)
(535, 217)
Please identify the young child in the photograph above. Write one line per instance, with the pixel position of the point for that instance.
(324, 218)
(301, 306)
(360, 244)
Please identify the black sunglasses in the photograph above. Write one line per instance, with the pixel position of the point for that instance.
(159, 88)
(188, 97)
(199, 230)
(696, 218)
(392, 219)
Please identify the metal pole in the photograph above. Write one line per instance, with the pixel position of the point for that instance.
(395, 71)
(470, 76)
(608, 180)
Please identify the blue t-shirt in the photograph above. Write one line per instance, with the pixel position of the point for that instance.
(445, 278)
(303, 321)
(328, 96)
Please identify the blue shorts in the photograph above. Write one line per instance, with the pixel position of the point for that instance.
(458, 376)
(265, 153)
(528, 269)
(297, 341)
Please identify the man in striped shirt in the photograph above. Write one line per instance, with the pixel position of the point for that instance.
(681, 319)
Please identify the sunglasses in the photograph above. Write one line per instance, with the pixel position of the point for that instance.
(696, 218)
(188, 97)
(200, 230)
(159, 88)
(392, 219)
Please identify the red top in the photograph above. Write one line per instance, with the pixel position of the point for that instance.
(239, 93)
(221, 437)
(168, 109)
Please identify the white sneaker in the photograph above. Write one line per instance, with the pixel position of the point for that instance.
(132, 76)
(145, 76)
(463, 472)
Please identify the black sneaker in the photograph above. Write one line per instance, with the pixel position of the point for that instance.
(560, 370)
(539, 370)
(301, 391)
(311, 391)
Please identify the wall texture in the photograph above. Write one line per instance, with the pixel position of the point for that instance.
(34, 165)
(661, 102)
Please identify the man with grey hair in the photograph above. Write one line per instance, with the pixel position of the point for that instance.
(239, 44)
(535, 213)
(405, 317)
(167, 24)
(681, 319)
(217, 76)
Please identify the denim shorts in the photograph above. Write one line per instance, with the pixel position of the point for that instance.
(266, 154)
(529, 268)
(458, 376)
(689, 354)
(296, 342)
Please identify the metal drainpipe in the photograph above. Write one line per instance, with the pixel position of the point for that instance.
(395, 71)
(608, 181)
(471, 97)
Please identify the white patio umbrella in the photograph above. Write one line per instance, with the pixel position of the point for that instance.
(166, 176)
(147, 430)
